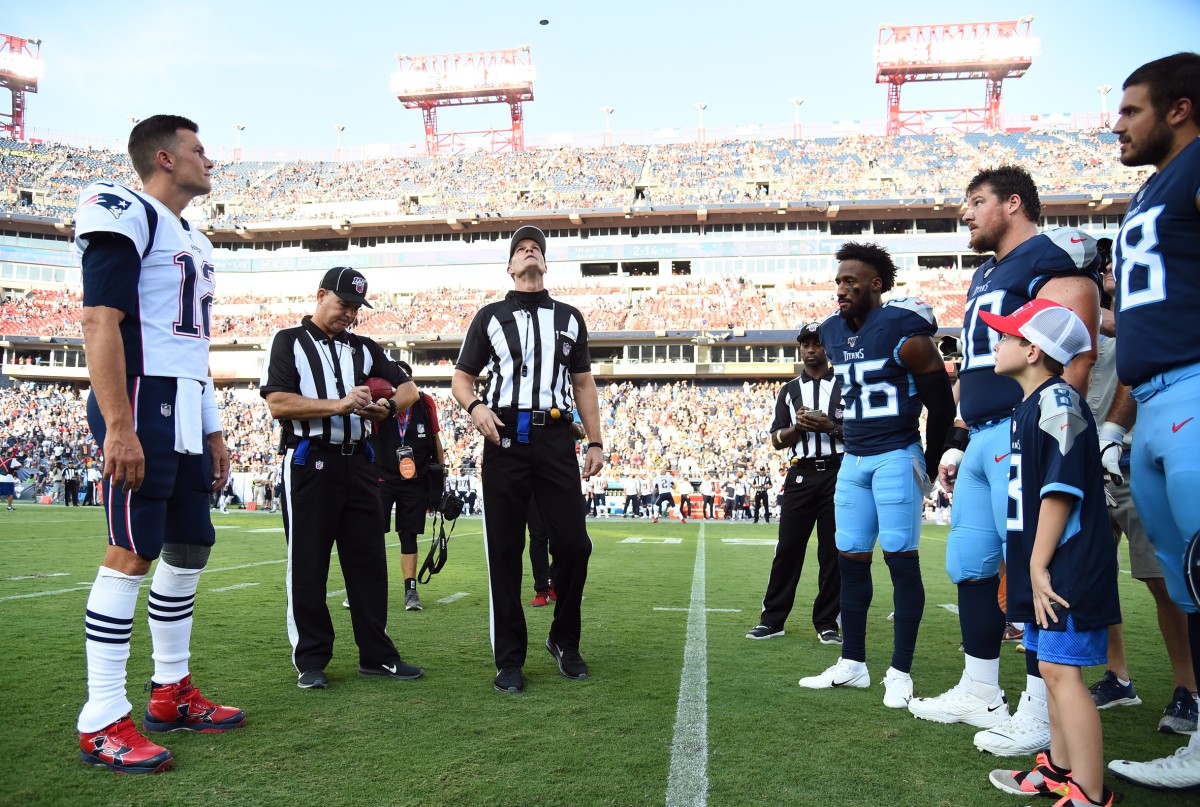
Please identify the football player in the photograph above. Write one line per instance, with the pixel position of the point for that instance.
(1063, 266)
(147, 290)
(1157, 270)
(889, 366)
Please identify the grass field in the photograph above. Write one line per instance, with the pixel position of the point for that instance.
(751, 736)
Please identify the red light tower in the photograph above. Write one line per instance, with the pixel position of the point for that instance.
(459, 79)
(991, 51)
(20, 69)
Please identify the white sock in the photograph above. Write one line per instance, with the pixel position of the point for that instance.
(984, 670)
(107, 626)
(172, 594)
(1035, 686)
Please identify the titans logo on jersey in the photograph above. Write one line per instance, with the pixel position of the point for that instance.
(879, 393)
(1055, 450)
(1157, 269)
(166, 296)
(1002, 287)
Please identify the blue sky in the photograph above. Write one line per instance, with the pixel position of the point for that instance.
(289, 72)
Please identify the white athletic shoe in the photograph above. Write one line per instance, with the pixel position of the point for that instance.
(1022, 735)
(844, 673)
(346, 603)
(1180, 771)
(897, 688)
(968, 701)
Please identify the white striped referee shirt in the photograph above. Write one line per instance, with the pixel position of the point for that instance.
(530, 346)
(823, 393)
(304, 361)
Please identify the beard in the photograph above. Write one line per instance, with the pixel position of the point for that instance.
(1153, 150)
(983, 243)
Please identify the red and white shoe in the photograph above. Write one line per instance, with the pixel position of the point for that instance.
(541, 600)
(181, 707)
(121, 748)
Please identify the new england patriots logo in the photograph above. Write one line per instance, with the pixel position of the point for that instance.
(109, 201)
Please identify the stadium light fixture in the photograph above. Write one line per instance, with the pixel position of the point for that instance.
(796, 104)
(339, 128)
(608, 110)
(1104, 90)
(700, 107)
(237, 143)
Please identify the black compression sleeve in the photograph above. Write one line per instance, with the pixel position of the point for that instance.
(936, 394)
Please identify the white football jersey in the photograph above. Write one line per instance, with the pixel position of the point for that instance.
(167, 333)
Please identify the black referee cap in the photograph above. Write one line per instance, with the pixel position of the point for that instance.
(810, 331)
(530, 232)
(348, 284)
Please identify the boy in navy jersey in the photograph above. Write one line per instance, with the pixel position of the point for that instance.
(889, 367)
(1062, 574)
(1157, 268)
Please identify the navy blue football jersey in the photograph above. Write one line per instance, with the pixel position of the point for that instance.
(879, 394)
(1001, 288)
(1156, 262)
(1055, 449)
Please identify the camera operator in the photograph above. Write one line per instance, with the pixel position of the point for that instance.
(408, 453)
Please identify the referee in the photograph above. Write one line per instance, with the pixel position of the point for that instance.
(314, 383)
(536, 352)
(808, 422)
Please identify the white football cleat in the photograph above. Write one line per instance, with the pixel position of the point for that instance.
(1180, 771)
(897, 688)
(968, 701)
(1022, 735)
(844, 673)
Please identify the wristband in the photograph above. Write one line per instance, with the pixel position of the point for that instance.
(210, 416)
(1113, 432)
(474, 404)
(958, 438)
(594, 444)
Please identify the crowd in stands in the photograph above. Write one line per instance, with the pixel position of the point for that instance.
(852, 167)
(692, 305)
(690, 429)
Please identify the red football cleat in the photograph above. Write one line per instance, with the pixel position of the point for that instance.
(181, 707)
(121, 748)
(541, 600)
(552, 595)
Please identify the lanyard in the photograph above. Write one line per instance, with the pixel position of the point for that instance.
(402, 423)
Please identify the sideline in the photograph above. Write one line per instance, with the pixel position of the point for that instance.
(687, 783)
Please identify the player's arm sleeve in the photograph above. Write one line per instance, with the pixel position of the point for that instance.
(935, 392)
(112, 267)
(280, 373)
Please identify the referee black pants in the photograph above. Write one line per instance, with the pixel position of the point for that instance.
(545, 469)
(334, 499)
(807, 500)
(762, 504)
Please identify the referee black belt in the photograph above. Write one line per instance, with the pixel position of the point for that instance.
(816, 463)
(537, 417)
(345, 449)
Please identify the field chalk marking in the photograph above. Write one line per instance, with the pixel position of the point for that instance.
(453, 597)
(234, 587)
(687, 784)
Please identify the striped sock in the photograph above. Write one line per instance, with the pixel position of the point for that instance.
(172, 595)
(107, 625)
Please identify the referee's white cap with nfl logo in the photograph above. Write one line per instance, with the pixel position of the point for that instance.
(1056, 329)
(348, 284)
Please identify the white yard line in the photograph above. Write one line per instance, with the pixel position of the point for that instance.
(687, 783)
(234, 587)
(710, 610)
(453, 597)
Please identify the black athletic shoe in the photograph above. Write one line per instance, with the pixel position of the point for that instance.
(763, 632)
(400, 670)
(313, 679)
(570, 663)
(510, 679)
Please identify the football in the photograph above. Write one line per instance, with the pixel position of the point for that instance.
(380, 388)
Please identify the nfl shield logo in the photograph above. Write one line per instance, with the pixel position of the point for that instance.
(566, 350)
(851, 340)
(319, 464)
(360, 283)
(505, 442)
(165, 409)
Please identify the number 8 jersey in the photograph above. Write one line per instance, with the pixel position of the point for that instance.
(1156, 263)
(1002, 287)
(882, 406)
(166, 296)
